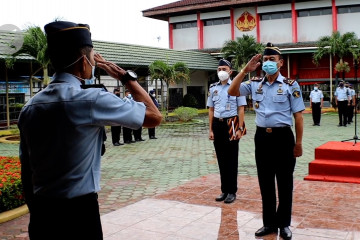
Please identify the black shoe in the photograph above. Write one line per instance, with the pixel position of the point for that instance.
(285, 233)
(339, 125)
(139, 140)
(345, 126)
(153, 137)
(221, 197)
(118, 144)
(265, 231)
(230, 198)
(128, 142)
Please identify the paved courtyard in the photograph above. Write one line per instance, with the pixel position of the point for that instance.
(147, 182)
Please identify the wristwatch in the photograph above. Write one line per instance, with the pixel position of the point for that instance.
(241, 129)
(129, 75)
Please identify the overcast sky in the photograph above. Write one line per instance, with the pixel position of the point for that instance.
(110, 20)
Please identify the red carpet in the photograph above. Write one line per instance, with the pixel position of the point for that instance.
(336, 162)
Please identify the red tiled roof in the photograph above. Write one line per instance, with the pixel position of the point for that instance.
(164, 11)
(182, 3)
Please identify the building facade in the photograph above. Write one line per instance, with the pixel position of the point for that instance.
(295, 26)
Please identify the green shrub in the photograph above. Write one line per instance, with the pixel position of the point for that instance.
(185, 113)
(190, 101)
(11, 195)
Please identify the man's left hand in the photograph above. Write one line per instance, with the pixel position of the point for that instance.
(298, 150)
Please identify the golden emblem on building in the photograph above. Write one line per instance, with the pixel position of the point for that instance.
(246, 22)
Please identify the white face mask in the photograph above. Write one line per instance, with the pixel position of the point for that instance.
(153, 95)
(316, 88)
(223, 75)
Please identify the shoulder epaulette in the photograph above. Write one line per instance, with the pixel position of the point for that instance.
(289, 81)
(213, 84)
(256, 79)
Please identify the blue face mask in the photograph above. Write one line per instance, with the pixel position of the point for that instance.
(270, 67)
(92, 79)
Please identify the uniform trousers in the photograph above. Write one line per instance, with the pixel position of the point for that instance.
(316, 112)
(70, 219)
(350, 113)
(115, 134)
(275, 162)
(227, 156)
(151, 132)
(137, 133)
(127, 136)
(342, 110)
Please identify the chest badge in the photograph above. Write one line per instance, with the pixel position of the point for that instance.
(259, 90)
(215, 93)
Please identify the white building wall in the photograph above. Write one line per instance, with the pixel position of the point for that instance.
(185, 38)
(282, 34)
(237, 13)
(215, 36)
(347, 23)
(312, 28)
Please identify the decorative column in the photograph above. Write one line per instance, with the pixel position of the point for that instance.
(171, 39)
(334, 15)
(200, 28)
(232, 24)
(294, 22)
(257, 25)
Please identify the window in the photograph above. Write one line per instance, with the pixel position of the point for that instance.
(349, 9)
(314, 12)
(181, 25)
(277, 15)
(216, 21)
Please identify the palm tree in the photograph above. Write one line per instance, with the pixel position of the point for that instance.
(35, 45)
(241, 50)
(337, 45)
(179, 72)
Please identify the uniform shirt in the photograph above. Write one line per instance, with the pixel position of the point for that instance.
(316, 96)
(275, 103)
(342, 94)
(352, 92)
(61, 131)
(224, 105)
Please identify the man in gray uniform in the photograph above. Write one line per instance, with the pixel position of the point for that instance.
(276, 100)
(62, 130)
(222, 108)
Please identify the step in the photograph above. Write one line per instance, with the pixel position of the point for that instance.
(344, 168)
(338, 150)
(324, 178)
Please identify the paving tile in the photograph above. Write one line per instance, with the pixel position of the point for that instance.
(173, 182)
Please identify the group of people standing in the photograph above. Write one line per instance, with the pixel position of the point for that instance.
(276, 102)
(128, 133)
(345, 101)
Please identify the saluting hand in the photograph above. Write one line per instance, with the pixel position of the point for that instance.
(111, 68)
(253, 64)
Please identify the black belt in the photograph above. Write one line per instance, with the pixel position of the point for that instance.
(273, 129)
(222, 119)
